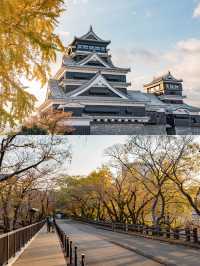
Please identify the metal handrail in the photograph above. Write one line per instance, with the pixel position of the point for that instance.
(19, 229)
(184, 234)
(12, 242)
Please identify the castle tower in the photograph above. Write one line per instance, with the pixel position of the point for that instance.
(167, 88)
(97, 94)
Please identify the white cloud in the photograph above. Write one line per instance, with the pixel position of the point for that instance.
(196, 13)
(183, 61)
(190, 45)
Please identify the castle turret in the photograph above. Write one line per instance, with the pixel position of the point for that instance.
(167, 88)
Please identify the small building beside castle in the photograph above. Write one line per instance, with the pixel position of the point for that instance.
(97, 94)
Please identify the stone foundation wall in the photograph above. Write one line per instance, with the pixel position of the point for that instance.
(126, 129)
(132, 129)
(195, 131)
(187, 130)
(155, 130)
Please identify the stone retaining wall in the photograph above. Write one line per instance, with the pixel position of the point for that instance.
(126, 129)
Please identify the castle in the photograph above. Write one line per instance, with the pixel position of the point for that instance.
(97, 94)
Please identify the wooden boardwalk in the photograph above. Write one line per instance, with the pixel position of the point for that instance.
(44, 250)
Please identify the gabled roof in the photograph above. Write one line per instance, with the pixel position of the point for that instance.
(93, 57)
(97, 80)
(90, 36)
(68, 61)
(167, 78)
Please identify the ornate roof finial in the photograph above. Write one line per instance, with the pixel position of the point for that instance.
(91, 29)
(169, 72)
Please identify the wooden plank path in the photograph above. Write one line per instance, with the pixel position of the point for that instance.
(44, 250)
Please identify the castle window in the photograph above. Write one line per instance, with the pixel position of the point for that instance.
(79, 46)
(172, 86)
(95, 63)
(115, 78)
(82, 47)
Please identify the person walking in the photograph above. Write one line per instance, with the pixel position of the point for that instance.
(51, 224)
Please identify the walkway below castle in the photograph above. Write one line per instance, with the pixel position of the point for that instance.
(44, 250)
(107, 248)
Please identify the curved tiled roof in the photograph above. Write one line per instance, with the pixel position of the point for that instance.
(90, 36)
(166, 77)
(87, 84)
(69, 61)
(90, 56)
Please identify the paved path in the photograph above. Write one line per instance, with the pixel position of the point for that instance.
(106, 248)
(99, 251)
(44, 250)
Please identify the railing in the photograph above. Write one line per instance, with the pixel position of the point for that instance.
(70, 252)
(187, 234)
(14, 241)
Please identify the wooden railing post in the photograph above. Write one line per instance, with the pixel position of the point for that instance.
(195, 235)
(168, 232)
(187, 234)
(75, 257)
(153, 230)
(15, 248)
(160, 231)
(156, 230)
(141, 228)
(126, 227)
(147, 229)
(82, 260)
(113, 227)
(176, 233)
(70, 253)
(7, 249)
(67, 253)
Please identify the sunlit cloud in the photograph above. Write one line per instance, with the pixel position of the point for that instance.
(64, 33)
(182, 61)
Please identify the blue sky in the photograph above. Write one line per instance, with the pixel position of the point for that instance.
(150, 36)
